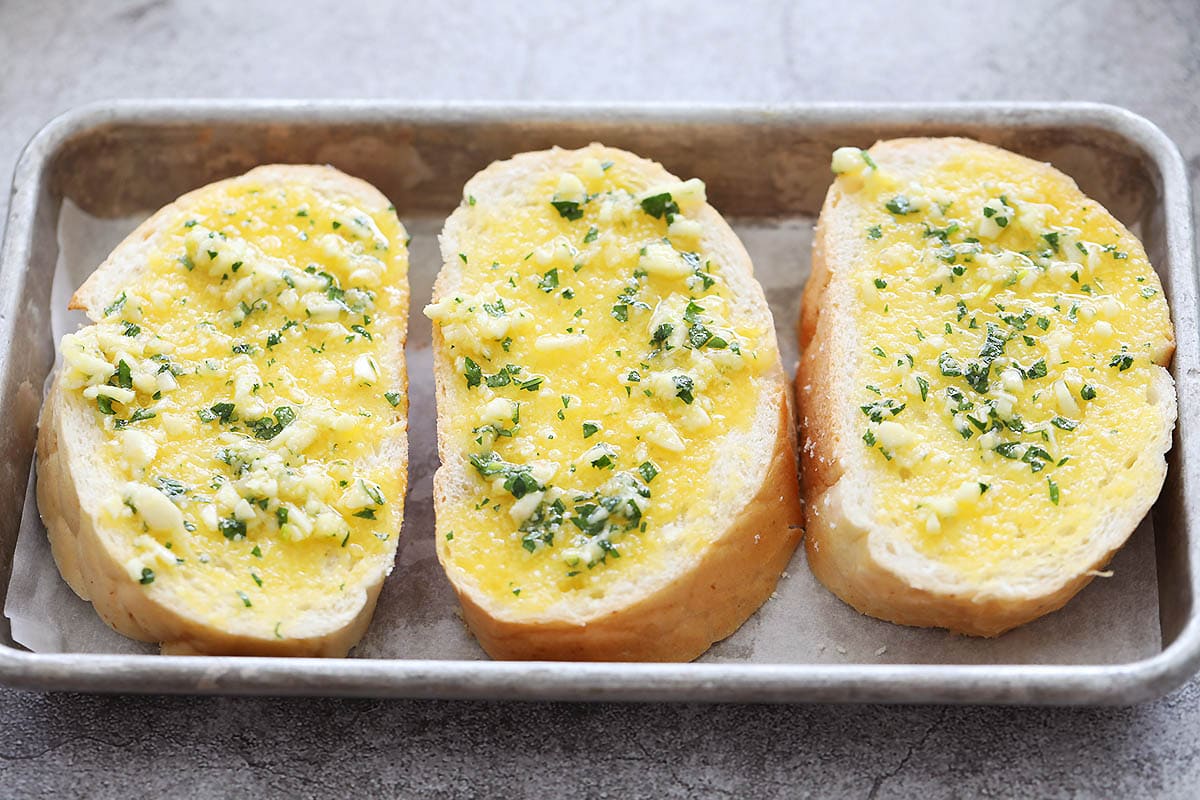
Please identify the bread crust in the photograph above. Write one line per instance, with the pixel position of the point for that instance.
(69, 508)
(677, 616)
(845, 550)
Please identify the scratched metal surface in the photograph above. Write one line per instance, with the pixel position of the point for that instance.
(1144, 57)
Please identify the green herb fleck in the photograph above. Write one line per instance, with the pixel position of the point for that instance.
(472, 373)
(569, 210)
(116, 305)
(660, 205)
(232, 528)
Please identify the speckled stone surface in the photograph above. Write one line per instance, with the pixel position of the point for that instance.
(53, 56)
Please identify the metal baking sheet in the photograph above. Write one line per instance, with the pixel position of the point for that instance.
(1124, 639)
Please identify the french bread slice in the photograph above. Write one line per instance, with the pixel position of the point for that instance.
(617, 478)
(982, 387)
(222, 456)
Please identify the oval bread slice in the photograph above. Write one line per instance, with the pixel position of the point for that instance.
(222, 457)
(982, 387)
(617, 478)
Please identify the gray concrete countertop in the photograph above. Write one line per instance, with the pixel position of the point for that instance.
(53, 56)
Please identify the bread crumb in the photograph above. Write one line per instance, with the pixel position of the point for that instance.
(881, 650)
(1100, 573)
(821, 649)
(841, 650)
(784, 574)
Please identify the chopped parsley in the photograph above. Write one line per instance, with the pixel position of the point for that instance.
(232, 528)
(876, 411)
(683, 388)
(137, 416)
(171, 487)
(569, 210)
(1037, 370)
(949, 366)
(660, 205)
(265, 429)
(662, 333)
(518, 480)
(116, 305)
(1122, 361)
(221, 411)
(472, 372)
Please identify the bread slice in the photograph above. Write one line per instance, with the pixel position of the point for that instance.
(617, 479)
(222, 457)
(983, 398)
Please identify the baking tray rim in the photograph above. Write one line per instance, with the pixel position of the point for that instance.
(1125, 683)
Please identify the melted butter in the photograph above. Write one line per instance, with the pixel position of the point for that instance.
(1082, 320)
(217, 303)
(606, 393)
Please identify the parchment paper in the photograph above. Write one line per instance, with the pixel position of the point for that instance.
(1113, 620)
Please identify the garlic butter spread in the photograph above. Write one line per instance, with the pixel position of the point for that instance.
(601, 371)
(1008, 327)
(244, 382)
